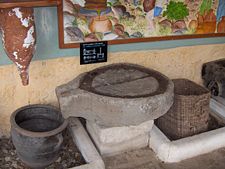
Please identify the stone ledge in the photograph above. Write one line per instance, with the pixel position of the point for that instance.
(85, 145)
(176, 151)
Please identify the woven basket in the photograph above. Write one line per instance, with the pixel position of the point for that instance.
(189, 114)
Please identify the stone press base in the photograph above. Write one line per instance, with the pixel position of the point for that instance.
(178, 150)
(111, 141)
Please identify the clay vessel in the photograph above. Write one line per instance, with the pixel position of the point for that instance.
(37, 134)
(19, 37)
(100, 24)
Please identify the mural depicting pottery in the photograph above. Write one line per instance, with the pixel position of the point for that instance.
(100, 24)
(220, 10)
(148, 5)
(207, 22)
(19, 38)
(96, 4)
(221, 25)
(140, 18)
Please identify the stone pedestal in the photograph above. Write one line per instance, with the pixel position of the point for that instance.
(119, 102)
(114, 140)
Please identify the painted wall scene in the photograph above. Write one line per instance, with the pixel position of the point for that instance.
(94, 20)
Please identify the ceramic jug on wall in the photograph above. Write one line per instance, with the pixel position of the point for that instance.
(19, 37)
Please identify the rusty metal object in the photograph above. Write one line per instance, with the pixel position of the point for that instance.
(19, 37)
(37, 134)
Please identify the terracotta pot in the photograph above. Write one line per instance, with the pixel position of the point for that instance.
(19, 37)
(221, 26)
(100, 24)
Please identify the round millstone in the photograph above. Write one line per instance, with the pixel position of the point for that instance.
(117, 95)
(125, 83)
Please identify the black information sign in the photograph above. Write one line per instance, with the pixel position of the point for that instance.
(93, 52)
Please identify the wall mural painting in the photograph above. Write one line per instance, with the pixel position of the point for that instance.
(97, 20)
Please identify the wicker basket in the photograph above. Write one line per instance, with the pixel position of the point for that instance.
(189, 114)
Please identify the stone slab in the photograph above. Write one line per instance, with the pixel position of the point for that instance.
(111, 141)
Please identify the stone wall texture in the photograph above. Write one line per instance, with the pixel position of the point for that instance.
(182, 62)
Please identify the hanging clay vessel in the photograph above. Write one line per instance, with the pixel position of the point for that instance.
(19, 37)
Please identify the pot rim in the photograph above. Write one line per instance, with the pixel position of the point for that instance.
(55, 131)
